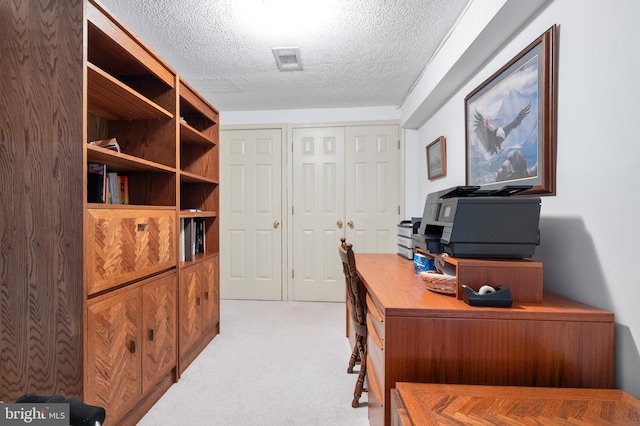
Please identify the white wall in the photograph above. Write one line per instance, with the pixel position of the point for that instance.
(590, 229)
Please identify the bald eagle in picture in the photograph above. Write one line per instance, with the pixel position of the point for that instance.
(491, 137)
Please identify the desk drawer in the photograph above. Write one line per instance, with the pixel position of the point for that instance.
(375, 373)
(375, 318)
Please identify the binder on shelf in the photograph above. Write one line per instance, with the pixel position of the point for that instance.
(186, 239)
(96, 183)
(200, 236)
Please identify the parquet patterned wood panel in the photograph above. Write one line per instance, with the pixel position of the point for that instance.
(428, 404)
(211, 307)
(113, 365)
(129, 244)
(190, 310)
(159, 329)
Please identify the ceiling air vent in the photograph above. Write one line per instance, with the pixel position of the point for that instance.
(287, 58)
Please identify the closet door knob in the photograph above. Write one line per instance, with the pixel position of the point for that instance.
(350, 223)
(339, 223)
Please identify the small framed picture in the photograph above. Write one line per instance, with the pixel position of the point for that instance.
(437, 159)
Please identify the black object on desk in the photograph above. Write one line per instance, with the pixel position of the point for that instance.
(500, 298)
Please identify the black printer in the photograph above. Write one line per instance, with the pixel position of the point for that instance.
(466, 221)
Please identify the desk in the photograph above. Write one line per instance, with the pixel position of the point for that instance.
(417, 404)
(419, 336)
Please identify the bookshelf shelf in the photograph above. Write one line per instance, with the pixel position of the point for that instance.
(190, 135)
(186, 177)
(207, 214)
(113, 100)
(123, 162)
(199, 257)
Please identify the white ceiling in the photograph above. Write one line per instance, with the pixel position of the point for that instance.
(355, 53)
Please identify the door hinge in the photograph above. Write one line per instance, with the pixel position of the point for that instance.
(292, 274)
(398, 209)
(291, 210)
(398, 143)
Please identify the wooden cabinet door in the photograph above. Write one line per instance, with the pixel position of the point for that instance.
(210, 303)
(159, 335)
(128, 244)
(113, 367)
(190, 307)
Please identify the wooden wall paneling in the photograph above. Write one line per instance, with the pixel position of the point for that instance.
(41, 198)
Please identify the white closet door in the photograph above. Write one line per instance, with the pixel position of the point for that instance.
(318, 213)
(372, 190)
(345, 183)
(251, 214)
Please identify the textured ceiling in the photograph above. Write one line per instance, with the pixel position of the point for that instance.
(355, 53)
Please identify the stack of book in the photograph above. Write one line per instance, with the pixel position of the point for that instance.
(192, 238)
(106, 187)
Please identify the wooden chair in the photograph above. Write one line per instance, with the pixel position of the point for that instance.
(357, 307)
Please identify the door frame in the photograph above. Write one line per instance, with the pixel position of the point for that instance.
(288, 291)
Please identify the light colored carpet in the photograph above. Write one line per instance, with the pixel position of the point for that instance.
(274, 363)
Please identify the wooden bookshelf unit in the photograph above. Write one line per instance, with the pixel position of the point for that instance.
(96, 302)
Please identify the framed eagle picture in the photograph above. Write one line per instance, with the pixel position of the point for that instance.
(510, 122)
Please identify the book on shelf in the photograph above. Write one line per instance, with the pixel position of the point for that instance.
(186, 230)
(123, 182)
(110, 143)
(114, 188)
(192, 238)
(96, 183)
(200, 236)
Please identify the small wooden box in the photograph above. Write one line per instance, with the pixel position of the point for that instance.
(523, 277)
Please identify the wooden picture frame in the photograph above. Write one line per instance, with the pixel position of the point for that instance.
(437, 158)
(510, 122)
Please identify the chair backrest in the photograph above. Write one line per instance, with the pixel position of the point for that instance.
(356, 291)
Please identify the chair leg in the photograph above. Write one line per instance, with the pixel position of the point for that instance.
(357, 393)
(355, 356)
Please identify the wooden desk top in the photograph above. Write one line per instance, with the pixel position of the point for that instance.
(397, 290)
(437, 404)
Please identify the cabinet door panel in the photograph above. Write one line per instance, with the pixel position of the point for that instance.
(127, 245)
(158, 329)
(113, 354)
(210, 304)
(190, 307)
